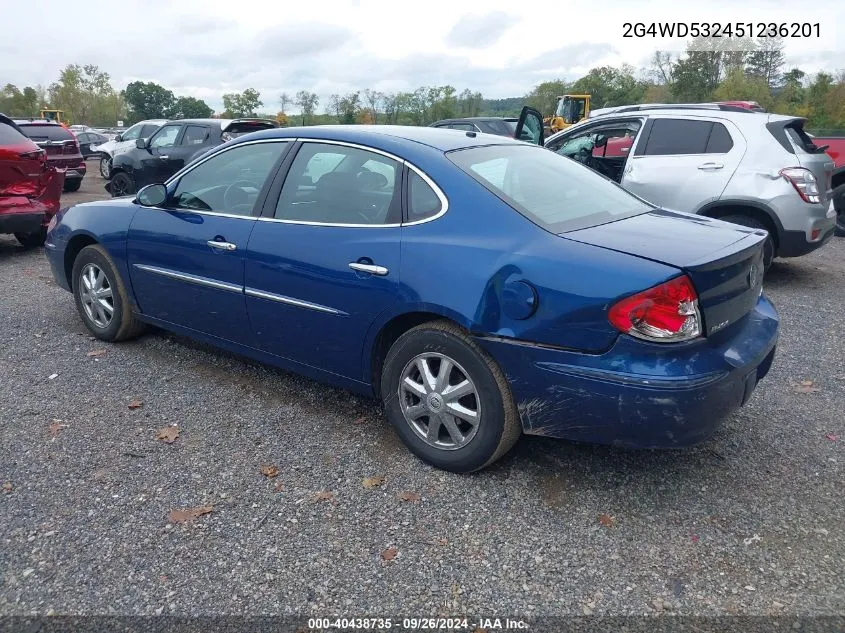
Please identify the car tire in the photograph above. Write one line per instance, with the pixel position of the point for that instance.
(121, 185)
(412, 411)
(72, 185)
(105, 166)
(100, 275)
(839, 206)
(754, 223)
(32, 240)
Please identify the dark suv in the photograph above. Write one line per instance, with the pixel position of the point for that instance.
(173, 146)
(61, 146)
(500, 126)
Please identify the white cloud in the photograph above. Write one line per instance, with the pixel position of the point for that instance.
(205, 48)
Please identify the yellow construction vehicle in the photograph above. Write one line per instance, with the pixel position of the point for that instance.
(570, 109)
(55, 115)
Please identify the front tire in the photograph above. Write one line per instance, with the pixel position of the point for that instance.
(101, 297)
(447, 399)
(72, 185)
(122, 185)
(105, 166)
(754, 223)
(32, 240)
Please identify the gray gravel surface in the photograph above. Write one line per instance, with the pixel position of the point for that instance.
(751, 522)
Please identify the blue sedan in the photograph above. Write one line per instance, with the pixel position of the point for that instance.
(480, 286)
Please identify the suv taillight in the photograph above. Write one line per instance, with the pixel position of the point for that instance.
(667, 313)
(804, 181)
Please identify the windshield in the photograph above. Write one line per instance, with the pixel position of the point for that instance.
(552, 191)
(502, 127)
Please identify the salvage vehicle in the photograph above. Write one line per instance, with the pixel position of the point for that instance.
(30, 189)
(332, 252)
(61, 146)
(834, 146)
(752, 169)
(501, 126)
(171, 147)
(124, 141)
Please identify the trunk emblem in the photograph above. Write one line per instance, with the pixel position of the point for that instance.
(752, 276)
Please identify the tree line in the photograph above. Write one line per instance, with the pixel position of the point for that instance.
(86, 94)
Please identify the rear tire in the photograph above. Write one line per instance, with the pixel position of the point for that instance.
(420, 406)
(101, 297)
(72, 185)
(32, 240)
(754, 223)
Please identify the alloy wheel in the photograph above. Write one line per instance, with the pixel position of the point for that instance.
(95, 291)
(439, 401)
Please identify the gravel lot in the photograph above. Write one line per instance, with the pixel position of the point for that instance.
(751, 522)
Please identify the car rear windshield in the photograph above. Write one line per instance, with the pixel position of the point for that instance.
(502, 127)
(551, 190)
(795, 132)
(245, 127)
(46, 132)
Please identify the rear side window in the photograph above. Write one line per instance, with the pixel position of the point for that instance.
(720, 141)
(47, 133)
(9, 135)
(195, 135)
(145, 131)
(423, 202)
(677, 136)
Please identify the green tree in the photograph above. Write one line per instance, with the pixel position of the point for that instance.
(738, 85)
(307, 102)
(373, 99)
(544, 96)
(349, 106)
(767, 61)
(610, 86)
(470, 103)
(189, 108)
(148, 101)
(817, 97)
(284, 102)
(81, 92)
(242, 104)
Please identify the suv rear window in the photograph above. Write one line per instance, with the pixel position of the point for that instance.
(796, 133)
(245, 127)
(46, 132)
(551, 190)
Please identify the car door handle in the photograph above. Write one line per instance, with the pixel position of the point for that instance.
(369, 268)
(223, 246)
(710, 166)
(163, 157)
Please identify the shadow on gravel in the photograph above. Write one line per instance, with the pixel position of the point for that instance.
(796, 273)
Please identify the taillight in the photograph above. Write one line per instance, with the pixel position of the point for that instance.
(34, 155)
(667, 313)
(804, 181)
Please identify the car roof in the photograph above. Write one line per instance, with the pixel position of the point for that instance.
(387, 137)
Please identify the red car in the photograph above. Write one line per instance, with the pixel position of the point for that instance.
(30, 188)
(62, 148)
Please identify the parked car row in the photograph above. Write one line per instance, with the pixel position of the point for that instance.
(480, 286)
(725, 161)
(61, 147)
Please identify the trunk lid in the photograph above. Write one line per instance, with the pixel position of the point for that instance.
(724, 261)
(808, 154)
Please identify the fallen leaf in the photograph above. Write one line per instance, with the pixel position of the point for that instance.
(606, 520)
(695, 538)
(360, 420)
(7, 488)
(389, 554)
(408, 495)
(269, 471)
(183, 516)
(831, 437)
(135, 404)
(277, 487)
(442, 541)
(56, 426)
(373, 482)
(806, 386)
(324, 495)
(167, 434)
(96, 352)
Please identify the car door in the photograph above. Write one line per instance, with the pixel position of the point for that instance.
(323, 260)
(186, 259)
(155, 159)
(529, 126)
(191, 142)
(683, 163)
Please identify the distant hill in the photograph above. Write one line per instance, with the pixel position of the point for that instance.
(509, 106)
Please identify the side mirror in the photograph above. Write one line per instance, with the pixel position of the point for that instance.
(152, 195)
(118, 138)
(141, 143)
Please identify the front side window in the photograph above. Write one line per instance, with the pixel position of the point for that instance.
(553, 192)
(230, 181)
(166, 136)
(333, 184)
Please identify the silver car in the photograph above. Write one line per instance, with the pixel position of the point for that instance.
(756, 169)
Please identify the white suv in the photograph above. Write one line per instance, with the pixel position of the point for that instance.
(756, 169)
(124, 142)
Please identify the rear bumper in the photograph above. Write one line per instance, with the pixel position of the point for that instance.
(797, 243)
(21, 222)
(640, 395)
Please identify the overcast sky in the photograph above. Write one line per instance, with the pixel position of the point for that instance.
(501, 48)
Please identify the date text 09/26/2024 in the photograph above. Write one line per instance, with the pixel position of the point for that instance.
(415, 624)
(722, 29)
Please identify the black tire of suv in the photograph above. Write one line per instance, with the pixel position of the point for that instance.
(72, 185)
(124, 324)
(32, 240)
(754, 223)
(122, 183)
(839, 205)
(500, 426)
